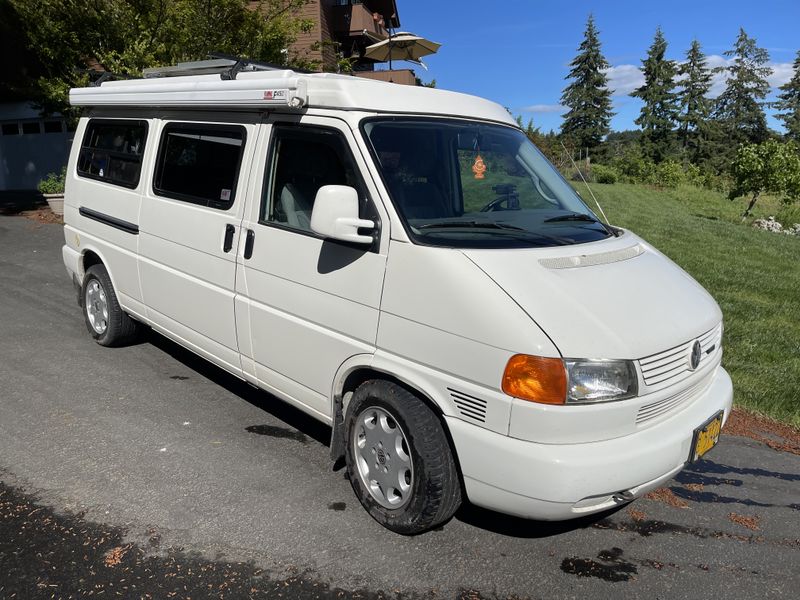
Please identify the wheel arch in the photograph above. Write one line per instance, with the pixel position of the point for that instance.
(361, 368)
(89, 258)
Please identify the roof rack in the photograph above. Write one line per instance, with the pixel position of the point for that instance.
(226, 65)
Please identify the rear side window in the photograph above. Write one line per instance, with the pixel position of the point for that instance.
(200, 163)
(112, 151)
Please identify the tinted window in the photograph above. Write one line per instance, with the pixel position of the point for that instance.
(53, 127)
(303, 160)
(10, 129)
(200, 163)
(30, 127)
(112, 151)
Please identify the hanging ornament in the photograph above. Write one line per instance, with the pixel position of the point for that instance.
(479, 167)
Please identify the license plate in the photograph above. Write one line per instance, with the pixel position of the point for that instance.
(706, 437)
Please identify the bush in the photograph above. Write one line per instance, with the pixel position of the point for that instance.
(604, 174)
(669, 174)
(53, 183)
(632, 167)
(788, 215)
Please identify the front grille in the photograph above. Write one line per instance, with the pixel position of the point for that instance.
(671, 366)
(654, 410)
(469, 406)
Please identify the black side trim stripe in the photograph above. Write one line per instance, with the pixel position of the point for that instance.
(105, 219)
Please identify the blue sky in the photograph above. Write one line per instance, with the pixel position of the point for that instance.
(516, 52)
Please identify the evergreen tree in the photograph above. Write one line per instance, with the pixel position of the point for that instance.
(587, 97)
(660, 110)
(694, 105)
(789, 103)
(740, 107)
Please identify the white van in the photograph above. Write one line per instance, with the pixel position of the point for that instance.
(404, 265)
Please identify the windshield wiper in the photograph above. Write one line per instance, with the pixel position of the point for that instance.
(572, 217)
(584, 218)
(518, 232)
(472, 225)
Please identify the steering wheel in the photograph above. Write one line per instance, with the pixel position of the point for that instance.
(497, 204)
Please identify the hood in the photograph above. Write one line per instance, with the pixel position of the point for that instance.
(616, 298)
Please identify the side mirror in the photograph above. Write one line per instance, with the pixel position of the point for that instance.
(335, 215)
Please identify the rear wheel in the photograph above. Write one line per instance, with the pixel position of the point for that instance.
(105, 319)
(398, 459)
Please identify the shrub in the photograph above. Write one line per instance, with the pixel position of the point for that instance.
(53, 183)
(632, 167)
(669, 174)
(788, 215)
(604, 174)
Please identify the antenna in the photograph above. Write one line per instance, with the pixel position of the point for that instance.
(585, 183)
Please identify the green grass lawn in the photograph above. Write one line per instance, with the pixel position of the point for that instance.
(754, 276)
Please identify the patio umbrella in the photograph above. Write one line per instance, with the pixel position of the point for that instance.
(401, 46)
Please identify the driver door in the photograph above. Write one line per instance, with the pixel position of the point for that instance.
(307, 303)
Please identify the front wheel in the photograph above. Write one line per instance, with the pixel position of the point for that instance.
(398, 459)
(105, 319)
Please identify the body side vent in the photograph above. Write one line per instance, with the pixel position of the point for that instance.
(469, 406)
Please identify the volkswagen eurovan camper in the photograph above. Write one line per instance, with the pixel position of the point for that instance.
(404, 265)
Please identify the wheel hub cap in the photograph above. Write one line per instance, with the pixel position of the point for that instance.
(96, 306)
(382, 455)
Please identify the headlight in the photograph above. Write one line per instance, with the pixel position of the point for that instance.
(569, 381)
(600, 380)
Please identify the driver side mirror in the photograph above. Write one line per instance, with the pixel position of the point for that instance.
(335, 215)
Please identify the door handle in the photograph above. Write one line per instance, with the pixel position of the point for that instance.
(248, 244)
(228, 243)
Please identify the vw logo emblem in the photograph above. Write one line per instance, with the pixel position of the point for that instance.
(697, 354)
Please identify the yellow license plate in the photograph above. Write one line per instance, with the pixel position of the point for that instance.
(706, 437)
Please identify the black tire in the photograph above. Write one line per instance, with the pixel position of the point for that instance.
(435, 491)
(119, 328)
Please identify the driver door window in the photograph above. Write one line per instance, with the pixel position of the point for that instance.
(303, 159)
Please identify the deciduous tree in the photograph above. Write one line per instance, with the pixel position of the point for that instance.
(771, 167)
(70, 37)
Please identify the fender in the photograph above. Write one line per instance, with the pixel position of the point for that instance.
(375, 363)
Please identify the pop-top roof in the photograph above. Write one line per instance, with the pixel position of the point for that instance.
(287, 89)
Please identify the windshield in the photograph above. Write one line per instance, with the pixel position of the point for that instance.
(473, 185)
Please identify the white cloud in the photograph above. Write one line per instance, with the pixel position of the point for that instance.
(544, 108)
(781, 74)
(624, 79)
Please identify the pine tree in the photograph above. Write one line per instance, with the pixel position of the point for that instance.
(694, 105)
(740, 107)
(587, 96)
(660, 110)
(789, 103)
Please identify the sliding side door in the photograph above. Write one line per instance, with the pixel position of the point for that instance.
(189, 229)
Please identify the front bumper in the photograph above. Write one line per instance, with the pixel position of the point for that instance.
(564, 481)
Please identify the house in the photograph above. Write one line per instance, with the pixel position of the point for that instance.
(343, 29)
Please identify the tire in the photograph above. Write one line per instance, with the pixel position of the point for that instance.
(390, 429)
(108, 324)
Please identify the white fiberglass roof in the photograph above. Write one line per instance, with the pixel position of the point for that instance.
(286, 88)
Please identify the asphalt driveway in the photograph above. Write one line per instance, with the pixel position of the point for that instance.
(142, 463)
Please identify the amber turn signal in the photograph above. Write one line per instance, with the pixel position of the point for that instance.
(536, 379)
